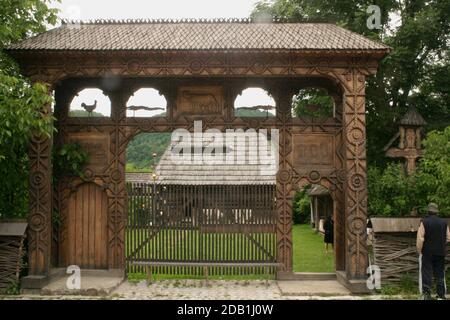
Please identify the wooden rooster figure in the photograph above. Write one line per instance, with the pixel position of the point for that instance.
(89, 108)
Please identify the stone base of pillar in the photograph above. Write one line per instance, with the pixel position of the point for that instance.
(34, 282)
(356, 286)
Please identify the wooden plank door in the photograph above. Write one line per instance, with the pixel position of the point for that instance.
(87, 228)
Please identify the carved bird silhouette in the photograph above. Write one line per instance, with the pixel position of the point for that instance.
(137, 108)
(89, 107)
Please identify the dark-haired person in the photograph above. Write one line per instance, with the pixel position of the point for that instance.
(432, 237)
(328, 227)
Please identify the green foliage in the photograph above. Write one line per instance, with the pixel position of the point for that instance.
(13, 288)
(393, 193)
(301, 207)
(22, 110)
(416, 71)
(21, 19)
(21, 115)
(433, 174)
(406, 287)
(69, 159)
(316, 97)
(141, 148)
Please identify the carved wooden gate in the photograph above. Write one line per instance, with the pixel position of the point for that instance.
(201, 224)
(67, 61)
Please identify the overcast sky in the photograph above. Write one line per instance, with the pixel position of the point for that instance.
(175, 9)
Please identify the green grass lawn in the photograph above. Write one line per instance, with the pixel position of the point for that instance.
(309, 251)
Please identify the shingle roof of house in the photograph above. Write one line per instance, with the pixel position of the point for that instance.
(198, 35)
(318, 190)
(252, 171)
(138, 177)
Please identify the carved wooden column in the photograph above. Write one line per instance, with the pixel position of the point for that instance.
(283, 98)
(117, 188)
(63, 97)
(40, 214)
(170, 94)
(355, 187)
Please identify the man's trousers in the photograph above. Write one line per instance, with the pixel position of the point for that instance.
(432, 266)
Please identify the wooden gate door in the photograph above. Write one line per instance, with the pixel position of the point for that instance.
(86, 242)
(195, 224)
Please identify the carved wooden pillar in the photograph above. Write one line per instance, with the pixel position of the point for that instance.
(355, 187)
(117, 188)
(284, 195)
(40, 214)
(170, 94)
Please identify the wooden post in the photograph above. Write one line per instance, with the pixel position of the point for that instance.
(40, 215)
(355, 190)
(205, 273)
(267, 274)
(149, 275)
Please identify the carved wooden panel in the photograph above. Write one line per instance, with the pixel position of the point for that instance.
(97, 145)
(313, 150)
(39, 220)
(199, 101)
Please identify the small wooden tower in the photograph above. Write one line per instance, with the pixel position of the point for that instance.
(410, 139)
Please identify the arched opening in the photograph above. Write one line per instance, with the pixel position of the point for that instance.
(313, 103)
(254, 102)
(91, 102)
(147, 102)
(206, 210)
(313, 230)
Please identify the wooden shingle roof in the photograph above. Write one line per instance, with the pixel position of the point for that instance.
(317, 190)
(252, 170)
(198, 35)
(412, 118)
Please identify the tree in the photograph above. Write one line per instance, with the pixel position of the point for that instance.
(22, 112)
(433, 174)
(301, 208)
(393, 193)
(308, 97)
(416, 71)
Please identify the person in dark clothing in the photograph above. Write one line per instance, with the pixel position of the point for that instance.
(432, 236)
(328, 227)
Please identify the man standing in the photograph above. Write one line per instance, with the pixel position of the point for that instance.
(432, 236)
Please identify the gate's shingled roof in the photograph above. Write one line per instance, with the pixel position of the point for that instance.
(198, 35)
